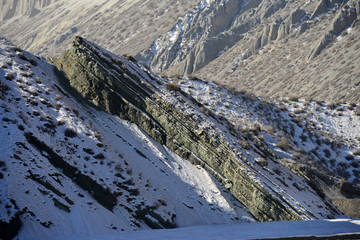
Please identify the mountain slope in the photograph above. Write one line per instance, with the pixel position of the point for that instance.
(68, 169)
(272, 48)
(269, 48)
(124, 88)
(128, 166)
(47, 27)
(316, 140)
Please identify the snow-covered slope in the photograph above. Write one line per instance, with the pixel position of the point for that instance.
(322, 136)
(270, 191)
(59, 156)
(326, 131)
(71, 169)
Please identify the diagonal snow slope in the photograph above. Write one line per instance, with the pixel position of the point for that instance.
(68, 169)
(122, 87)
(318, 137)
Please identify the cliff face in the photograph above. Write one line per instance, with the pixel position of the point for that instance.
(203, 34)
(124, 88)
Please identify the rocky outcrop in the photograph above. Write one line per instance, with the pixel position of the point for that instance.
(126, 89)
(343, 20)
(218, 27)
(325, 5)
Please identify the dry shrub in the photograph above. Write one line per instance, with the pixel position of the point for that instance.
(331, 105)
(9, 76)
(172, 87)
(193, 77)
(3, 87)
(99, 156)
(129, 57)
(61, 122)
(97, 134)
(357, 111)
(294, 98)
(33, 62)
(262, 162)
(22, 56)
(356, 152)
(284, 143)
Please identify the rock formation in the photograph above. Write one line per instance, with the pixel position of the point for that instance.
(124, 88)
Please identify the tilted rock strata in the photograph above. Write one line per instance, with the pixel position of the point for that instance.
(121, 87)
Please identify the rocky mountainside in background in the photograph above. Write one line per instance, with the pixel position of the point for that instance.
(273, 48)
(268, 47)
(46, 27)
(130, 168)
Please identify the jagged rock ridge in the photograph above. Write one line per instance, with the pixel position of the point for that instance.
(68, 168)
(126, 89)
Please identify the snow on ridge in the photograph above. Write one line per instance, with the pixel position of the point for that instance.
(108, 150)
(288, 192)
(334, 126)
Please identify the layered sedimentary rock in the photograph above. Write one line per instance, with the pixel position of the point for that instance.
(124, 88)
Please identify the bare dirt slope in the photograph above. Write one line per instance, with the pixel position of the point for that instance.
(47, 27)
(270, 48)
(298, 64)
